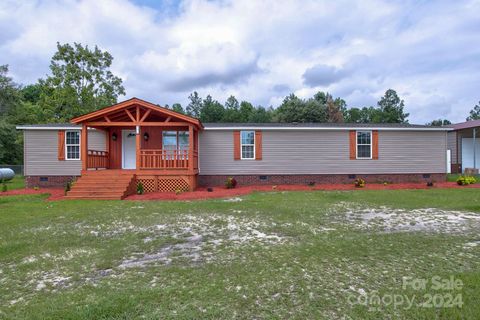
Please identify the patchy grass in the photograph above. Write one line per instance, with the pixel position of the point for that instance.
(266, 255)
(18, 182)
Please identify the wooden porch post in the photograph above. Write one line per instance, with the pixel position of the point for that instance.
(84, 146)
(107, 147)
(137, 144)
(190, 148)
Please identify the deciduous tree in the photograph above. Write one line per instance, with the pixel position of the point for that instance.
(474, 113)
(80, 82)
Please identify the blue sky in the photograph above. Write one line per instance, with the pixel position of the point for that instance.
(261, 51)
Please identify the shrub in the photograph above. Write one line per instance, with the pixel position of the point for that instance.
(230, 183)
(311, 184)
(36, 188)
(68, 187)
(209, 189)
(178, 191)
(430, 184)
(465, 180)
(140, 188)
(4, 187)
(359, 183)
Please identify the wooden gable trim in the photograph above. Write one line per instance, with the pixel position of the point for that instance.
(130, 115)
(145, 115)
(138, 102)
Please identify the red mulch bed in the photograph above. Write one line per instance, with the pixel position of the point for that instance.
(222, 192)
(55, 193)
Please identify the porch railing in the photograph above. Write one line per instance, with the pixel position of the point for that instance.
(164, 159)
(97, 159)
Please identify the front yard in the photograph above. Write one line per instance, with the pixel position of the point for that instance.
(312, 254)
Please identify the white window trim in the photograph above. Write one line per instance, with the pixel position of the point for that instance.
(371, 144)
(241, 144)
(79, 145)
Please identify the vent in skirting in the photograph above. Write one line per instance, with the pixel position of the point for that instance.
(426, 176)
(352, 176)
(263, 178)
(43, 179)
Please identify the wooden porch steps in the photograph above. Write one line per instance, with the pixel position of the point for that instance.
(102, 184)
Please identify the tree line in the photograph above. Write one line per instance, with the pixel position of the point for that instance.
(80, 81)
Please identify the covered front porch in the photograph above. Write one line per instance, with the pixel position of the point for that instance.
(157, 146)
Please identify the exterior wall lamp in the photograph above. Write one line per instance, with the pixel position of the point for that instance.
(114, 136)
(146, 136)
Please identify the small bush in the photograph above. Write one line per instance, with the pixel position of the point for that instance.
(359, 183)
(209, 189)
(311, 184)
(465, 180)
(4, 187)
(36, 188)
(178, 191)
(68, 187)
(430, 184)
(230, 183)
(274, 187)
(140, 188)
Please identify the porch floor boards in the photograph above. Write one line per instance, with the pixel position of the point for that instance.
(102, 184)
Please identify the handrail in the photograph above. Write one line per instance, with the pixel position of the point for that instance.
(164, 159)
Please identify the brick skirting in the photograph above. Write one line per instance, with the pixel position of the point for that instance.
(217, 180)
(48, 181)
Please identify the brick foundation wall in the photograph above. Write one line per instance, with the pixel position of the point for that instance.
(47, 181)
(217, 180)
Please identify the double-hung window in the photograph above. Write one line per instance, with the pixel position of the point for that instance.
(364, 145)
(176, 141)
(247, 144)
(72, 145)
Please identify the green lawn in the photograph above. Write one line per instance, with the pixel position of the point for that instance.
(278, 255)
(18, 182)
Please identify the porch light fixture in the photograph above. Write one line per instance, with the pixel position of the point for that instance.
(114, 136)
(146, 136)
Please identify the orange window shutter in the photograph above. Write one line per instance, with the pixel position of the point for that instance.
(375, 144)
(61, 145)
(236, 145)
(258, 145)
(353, 145)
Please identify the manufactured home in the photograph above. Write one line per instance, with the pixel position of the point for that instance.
(110, 151)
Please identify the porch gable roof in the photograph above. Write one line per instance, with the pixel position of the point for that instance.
(133, 102)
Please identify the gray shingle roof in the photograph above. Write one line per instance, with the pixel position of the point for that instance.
(50, 125)
(317, 125)
(207, 126)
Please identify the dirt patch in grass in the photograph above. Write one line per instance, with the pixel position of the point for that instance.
(414, 220)
(203, 239)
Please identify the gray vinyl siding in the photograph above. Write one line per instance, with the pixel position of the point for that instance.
(41, 153)
(452, 145)
(325, 152)
(97, 140)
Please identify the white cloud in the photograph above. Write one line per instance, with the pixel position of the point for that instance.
(262, 50)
